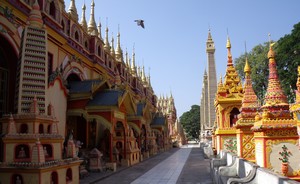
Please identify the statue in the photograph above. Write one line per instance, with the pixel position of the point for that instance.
(18, 181)
(46, 152)
(22, 153)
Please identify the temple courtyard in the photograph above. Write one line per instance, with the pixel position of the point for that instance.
(178, 165)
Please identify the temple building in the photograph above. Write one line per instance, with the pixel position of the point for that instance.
(246, 119)
(227, 104)
(209, 89)
(275, 130)
(66, 90)
(265, 135)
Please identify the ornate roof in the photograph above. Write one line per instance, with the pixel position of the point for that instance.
(35, 17)
(106, 98)
(275, 104)
(276, 112)
(232, 84)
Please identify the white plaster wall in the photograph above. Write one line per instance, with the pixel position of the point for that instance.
(259, 153)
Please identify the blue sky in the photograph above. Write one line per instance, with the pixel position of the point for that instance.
(172, 44)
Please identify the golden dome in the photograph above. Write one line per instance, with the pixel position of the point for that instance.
(228, 44)
(247, 68)
(271, 53)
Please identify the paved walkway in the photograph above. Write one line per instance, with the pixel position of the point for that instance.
(167, 171)
(185, 165)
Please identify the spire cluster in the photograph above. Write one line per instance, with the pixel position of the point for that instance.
(165, 104)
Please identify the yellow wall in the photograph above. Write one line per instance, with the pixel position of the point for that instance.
(61, 175)
(58, 99)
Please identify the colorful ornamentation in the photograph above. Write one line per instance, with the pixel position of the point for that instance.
(285, 154)
(8, 14)
(230, 145)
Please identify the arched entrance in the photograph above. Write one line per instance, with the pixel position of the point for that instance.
(120, 141)
(144, 146)
(234, 116)
(8, 68)
(105, 144)
(78, 125)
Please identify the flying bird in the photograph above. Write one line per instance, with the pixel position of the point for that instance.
(140, 22)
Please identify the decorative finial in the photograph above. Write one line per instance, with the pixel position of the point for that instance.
(83, 20)
(228, 44)
(106, 42)
(119, 52)
(271, 53)
(133, 67)
(99, 29)
(73, 11)
(35, 17)
(92, 28)
(112, 49)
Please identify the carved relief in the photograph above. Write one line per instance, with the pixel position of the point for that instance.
(248, 147)
(282, 132)
(272, 156)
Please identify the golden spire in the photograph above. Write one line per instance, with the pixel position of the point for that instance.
(133, 67)
(73, 11)
(127, 60)
(106, 42)
(119, 53)
(247, 68)
(143, 75)
(83, 20)
(92, 28)
(149, 79)
(35, 17)
(112, 49)
(139, 71)
(99, 30)
(250, 98)
(229, 56)
(275, 99)
(209, 38)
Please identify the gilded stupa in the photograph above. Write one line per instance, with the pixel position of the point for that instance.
(275, 106)
(246, 119)
(227, 103)
(275, 128)
(295, 108)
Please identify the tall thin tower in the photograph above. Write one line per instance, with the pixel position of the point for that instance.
(211, 80)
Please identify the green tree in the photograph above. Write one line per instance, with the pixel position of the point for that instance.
(190, 121)
(287, 59)
(258, 61)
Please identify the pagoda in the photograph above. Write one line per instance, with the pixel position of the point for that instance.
(275, 131)
(295, 108)
(32, 144)
(245, 137)
(207, 109)
(227, 103)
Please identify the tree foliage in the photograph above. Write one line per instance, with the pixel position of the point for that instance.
(258, 62)
(287, 58)
(190, 121)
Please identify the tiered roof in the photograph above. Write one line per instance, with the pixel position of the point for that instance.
(232, 83)
(276, 112)
(249, 103)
